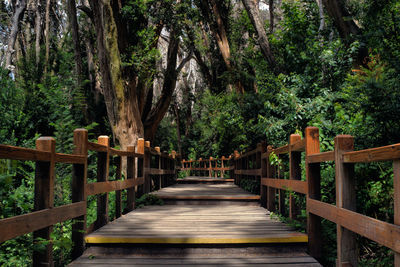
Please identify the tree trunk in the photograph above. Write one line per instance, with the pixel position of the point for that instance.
(38, 31)
(16, 19)
(321, 16)
(157, 114)
(75, 39)
(341, 18)
(346, 26)
(47, 33)
(271, 16)
(222, 41)
(119, 95)
(254, 14)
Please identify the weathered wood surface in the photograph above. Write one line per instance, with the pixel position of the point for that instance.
(199, 224)
(205, 191)
(281, 260)
(197, 179)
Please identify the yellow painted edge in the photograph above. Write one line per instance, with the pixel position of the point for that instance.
(195, 240)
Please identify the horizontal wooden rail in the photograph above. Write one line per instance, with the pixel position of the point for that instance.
(153, 171)
(289, 185)
(381, 232)
(384, 153)
(19, 153)
(321, 157)
(124, 153)
(281, 150)
(97, 147)
(249, 153)
(251, 172)
(27, 223)
(72, 159)
(109, 186)
(298, 146)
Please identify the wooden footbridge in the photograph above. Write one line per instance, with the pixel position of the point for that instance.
(206, 219)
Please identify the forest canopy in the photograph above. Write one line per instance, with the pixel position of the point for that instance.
(202, 77)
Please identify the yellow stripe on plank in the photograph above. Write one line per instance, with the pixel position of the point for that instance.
(195, 240)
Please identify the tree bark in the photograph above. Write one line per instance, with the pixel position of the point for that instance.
(47, 33)
(338, 12)
(221, 38)
(271, 15)
(321, 16)
(254, 14)
(38, 30)
(119, 94)
(16, 19)
(171, 73)
(75, 39)
(346, 26)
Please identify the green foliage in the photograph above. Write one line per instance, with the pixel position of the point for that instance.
(148, 200)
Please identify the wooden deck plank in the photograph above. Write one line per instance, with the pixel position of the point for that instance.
(205, 192)
(177, 225)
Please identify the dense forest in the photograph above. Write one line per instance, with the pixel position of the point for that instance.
(204, 78)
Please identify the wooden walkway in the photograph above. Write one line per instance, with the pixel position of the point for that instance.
(199, 234)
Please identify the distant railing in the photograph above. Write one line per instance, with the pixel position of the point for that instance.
(257, 163)
(212, 167)
(146, 169)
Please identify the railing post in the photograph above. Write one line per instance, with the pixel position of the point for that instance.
(263, 166)
(222, 173)
(140, 165)
(130, 174)
(147, 162)
(236, 163)
(157, 182)
(79, 176)
(345, 198)
(118, 196)
(396, 187)
(173, 162)
(44, 198)
(210, 167)
(295, 173)
(270, 190)
(313, 174)
(102, 176)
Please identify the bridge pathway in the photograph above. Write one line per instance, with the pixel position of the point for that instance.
(216, 224)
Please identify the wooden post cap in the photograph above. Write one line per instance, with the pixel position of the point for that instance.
(46, 143)
(140, 146)
(294, 138)
(157, 148)
(103, 140)
(147, 143)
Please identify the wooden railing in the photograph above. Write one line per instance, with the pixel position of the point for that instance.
(343, 214)
(212, 167)
(146, 169)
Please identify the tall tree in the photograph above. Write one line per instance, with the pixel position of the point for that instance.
(254, 14)
(19, 11)
(129, 103)
(211, 11)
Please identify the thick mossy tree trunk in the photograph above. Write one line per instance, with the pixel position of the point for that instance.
(119, 91)
(130, 108)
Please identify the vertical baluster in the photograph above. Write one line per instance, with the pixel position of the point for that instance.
(79, 176)
(313, 174)
(345, 198)
(270, 190)
(295, 174)
(102, 176)
(130, 174)
(118, 196)
(44, 198)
